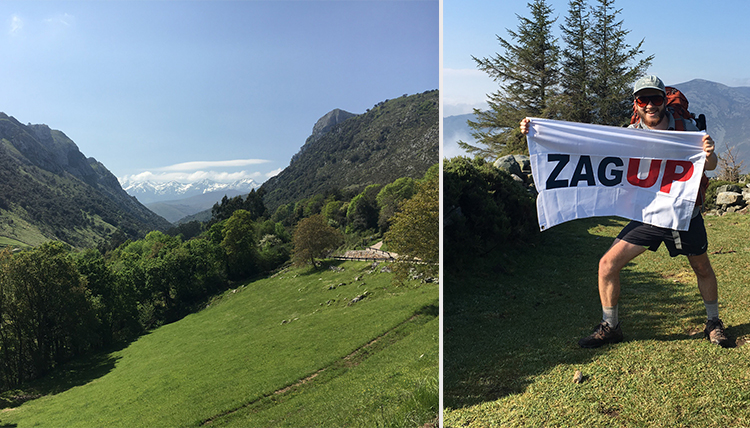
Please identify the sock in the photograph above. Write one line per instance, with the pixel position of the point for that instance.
(610, 316)
(712, 309)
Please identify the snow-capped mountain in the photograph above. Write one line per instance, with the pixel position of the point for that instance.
(148, 191)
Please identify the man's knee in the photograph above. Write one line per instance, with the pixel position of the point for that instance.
(701, 266)
(608, 265)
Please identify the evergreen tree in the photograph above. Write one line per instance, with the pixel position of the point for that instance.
(574, 103)
(528, 76)
(254, 204)
(613, 76)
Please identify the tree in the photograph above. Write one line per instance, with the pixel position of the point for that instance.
(612, 75)
(730, 166)
(362, 213)
(528, 76)
(254, 204)
(224, 209)
(314, 238)
(114, 303)
(390, 196)
(335, 213)
(52, 318)
(415, 231)
(240, 245)
(575, 100)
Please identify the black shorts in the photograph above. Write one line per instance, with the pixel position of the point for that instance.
(692, 242)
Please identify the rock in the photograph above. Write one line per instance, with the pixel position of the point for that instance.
(729, 198)
(524, 162)
(358, 298)
(578, 377)
(728, 188)
(509, 164)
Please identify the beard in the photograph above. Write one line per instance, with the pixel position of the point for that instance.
(649, 119)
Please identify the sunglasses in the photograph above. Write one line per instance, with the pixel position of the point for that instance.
(656, 100)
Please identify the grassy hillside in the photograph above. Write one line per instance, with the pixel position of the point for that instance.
(522, 312)
(279, 351)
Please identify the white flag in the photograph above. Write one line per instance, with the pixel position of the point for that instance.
(583, 170)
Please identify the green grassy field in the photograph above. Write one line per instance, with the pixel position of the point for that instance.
(284, 351)
(512, 321)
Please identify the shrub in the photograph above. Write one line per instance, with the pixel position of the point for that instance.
(484, 208)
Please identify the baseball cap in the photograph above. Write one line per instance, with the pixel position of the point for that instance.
(648, 82)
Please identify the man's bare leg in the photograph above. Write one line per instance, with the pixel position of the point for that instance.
(709, 290)
(610, 265)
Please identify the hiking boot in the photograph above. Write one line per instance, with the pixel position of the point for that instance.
(714, 332)
(602, 335)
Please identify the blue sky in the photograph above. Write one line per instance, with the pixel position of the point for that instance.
(225, 90)
(690, 39)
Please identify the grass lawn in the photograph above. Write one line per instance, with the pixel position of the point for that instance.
(233, 362)
(512, 321)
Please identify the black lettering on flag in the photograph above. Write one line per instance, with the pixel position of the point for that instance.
(580, 175)
(562, 160)
(616, 177)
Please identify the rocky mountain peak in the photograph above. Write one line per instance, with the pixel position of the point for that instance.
(322, 126)
(331, 119)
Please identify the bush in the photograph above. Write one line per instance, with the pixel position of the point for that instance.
(484, 208)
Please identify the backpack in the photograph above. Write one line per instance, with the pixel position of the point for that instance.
(678, 104)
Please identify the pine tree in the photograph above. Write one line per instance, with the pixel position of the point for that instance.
(613, 76)
(528, 76)
(574, 103)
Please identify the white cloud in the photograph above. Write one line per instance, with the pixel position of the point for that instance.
(198, 165)
(16, 25)
(190, 177)
(225, 171)
(274, 173)
(63, 19)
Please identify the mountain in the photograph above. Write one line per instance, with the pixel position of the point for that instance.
(322, 126)
(396, 138)
(456, 128)
(727, 110)
(50, 191)
(149, 192)
(179, 209)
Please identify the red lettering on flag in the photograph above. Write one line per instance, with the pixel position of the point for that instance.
(671, 175)
(653, 173)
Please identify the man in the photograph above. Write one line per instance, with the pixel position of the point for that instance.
(636, 237)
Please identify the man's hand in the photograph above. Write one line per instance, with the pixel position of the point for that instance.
(711, 158)
(525, 126)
